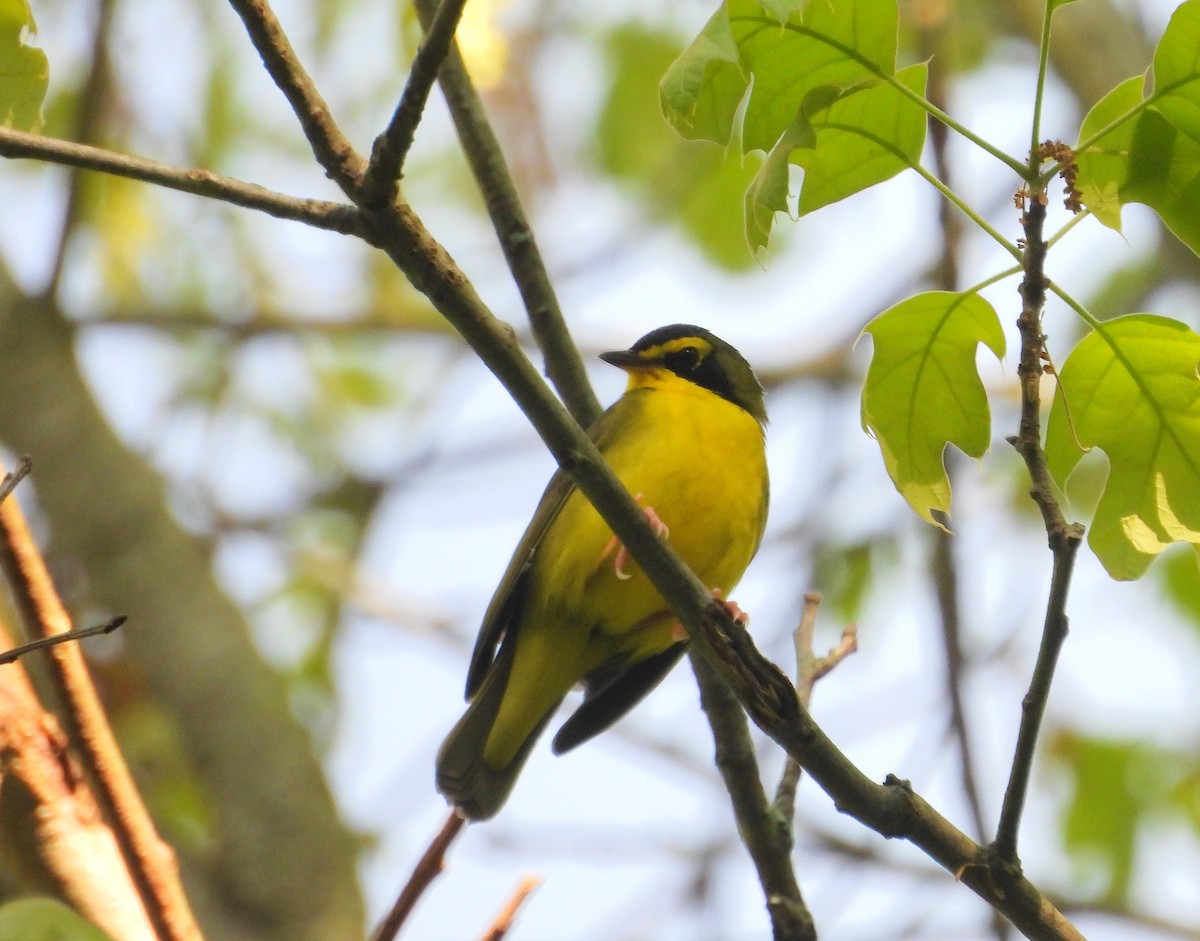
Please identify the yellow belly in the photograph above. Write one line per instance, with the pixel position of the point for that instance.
(699, 462)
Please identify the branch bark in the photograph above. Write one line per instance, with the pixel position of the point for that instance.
(150, 862)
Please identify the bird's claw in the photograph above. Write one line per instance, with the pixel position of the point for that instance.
(735, 612)
(660, 529)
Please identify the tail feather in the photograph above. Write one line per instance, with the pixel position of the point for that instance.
(476, 788)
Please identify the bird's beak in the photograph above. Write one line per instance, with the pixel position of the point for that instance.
(624, 359)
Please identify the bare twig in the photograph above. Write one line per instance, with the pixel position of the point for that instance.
(330, 146)
(563, 363)
(79, 633)
(504, 920)
(809, 669)
(94, 94)
(12, 478)
(1064, 537)
(336, 217)
(381, 180)
(768, 838)
(944, 573)
(428, 868)
(150, 861)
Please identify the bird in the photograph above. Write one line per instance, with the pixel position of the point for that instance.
(687, 438)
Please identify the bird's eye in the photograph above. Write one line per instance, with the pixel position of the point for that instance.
(684, 360)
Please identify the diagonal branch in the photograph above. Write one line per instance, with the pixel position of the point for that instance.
(767, 835)
(381, 181)
(150, 861)
(428, 868)
(336, 217)
(892, 809)
(563, 363)
(330, 146)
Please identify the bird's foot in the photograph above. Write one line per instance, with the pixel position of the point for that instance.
(735, 612)
(660, 530)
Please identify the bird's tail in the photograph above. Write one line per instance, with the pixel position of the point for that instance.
(472, 785)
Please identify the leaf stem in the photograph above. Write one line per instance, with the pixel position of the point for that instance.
(1043, 59)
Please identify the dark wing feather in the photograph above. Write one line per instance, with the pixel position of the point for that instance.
(503, 614)
(611, 692)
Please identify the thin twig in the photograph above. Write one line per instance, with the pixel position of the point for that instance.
(507, 915)
(944, 573)
(11, 479)
(150, 861)
(768, 839)
(94, 95)
(809, 669)
(336, 217)
(564, 366)
(806, 662)
(79, 633)
(1064, 537)
(381, 180)
(428, 868)
(330, 146)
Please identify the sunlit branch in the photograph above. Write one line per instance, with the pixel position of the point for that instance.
(150, 861)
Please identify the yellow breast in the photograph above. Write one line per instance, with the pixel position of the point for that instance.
(699, 462)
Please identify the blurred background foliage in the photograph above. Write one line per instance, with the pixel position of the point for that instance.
(261, 444)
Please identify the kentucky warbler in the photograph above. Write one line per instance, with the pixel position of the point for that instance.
(687, 439)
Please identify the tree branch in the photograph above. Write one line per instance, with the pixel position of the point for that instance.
(330, 146)
(380, 182)
(563, 363)
(1064, 537)
(150, 861)
(335, 217)
(428, 868)
(892, 809)
(767, 835)
(68, 835)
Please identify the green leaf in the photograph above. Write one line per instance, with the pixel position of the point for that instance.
(819, 44)
(43, 919)
(864, 139)
(1177, 70)
(846, 140)
(703, 88)
(688, 183)
(1105, 808)
(768, 191)
(923, 390)
(1130, 388)
(1152, 153)
(24, 70)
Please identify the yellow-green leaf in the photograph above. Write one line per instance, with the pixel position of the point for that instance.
(24, 70)
(1131, 389)
(923, 390)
